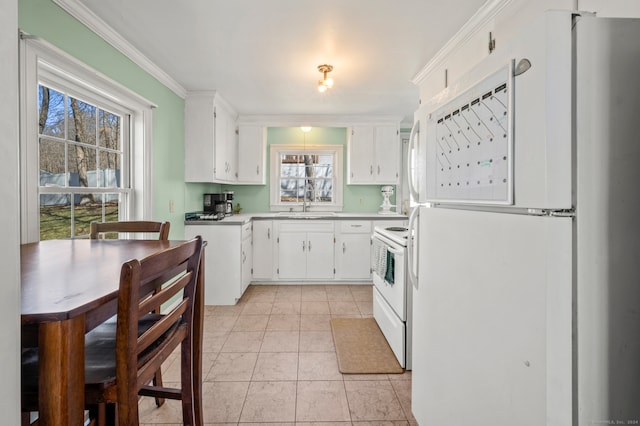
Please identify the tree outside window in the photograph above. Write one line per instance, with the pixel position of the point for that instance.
(80, 163)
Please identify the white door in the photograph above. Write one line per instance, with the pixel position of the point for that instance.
(232, 149)
(221, 135)
(251, 154)
(263, 249)
(492, 320)
(246, 258)
(292, 255)
(387, 146)
(320, 255)
(361, 155)
(353, 257)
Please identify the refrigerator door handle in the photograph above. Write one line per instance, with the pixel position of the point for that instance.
(412, 239)
(413, 143)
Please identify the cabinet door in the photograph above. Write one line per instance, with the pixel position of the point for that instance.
(263, 250)
(292, 254)
(361, 155)
(198, 139)
(223, 262)
(221, 135)
(251, 154)
(387, 153)
(246, 259)
(353, 257)
(320, 255)
(232, 149)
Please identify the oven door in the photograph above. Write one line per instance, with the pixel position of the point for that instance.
(394, 293)
(392, 327)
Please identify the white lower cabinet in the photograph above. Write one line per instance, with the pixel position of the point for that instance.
(227, 261)
(353, 250)
(246, 259)
(264, 262)
(305, 250)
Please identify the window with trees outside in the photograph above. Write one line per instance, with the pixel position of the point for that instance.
(85, 147)
(81, 153)
(306, 178)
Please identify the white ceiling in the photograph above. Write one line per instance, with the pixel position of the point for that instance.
(262, 55)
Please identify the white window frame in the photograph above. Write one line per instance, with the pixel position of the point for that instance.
(43, 63)
(274, 188)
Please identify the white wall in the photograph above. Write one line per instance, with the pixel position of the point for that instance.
(9, 217)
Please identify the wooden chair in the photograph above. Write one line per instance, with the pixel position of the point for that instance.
(120, 363)
(100, 228)
(123, 356)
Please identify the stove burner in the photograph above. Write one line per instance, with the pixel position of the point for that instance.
(396, 229)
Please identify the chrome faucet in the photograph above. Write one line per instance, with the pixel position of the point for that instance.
(306, 207)
(304, 202)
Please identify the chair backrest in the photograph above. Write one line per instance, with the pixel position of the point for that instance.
(145, 284)
(135, 226)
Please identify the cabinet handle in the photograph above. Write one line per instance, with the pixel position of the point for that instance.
(304, 245)
(344, 247)
(268, 233)
(309, 245)
(244, 257)
(371, 170)
(258, 170)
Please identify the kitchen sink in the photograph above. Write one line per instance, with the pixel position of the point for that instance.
(306, 215)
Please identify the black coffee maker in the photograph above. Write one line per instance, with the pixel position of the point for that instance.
(229, 203)
(215, 204)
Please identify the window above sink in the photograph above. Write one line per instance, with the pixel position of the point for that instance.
(306, 178)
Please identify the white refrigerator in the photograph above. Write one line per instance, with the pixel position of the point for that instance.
(526, 259)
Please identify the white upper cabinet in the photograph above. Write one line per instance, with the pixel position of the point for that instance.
(374, 155)
(198, 139)
(226, 143)
(210, 137)
(252, 154)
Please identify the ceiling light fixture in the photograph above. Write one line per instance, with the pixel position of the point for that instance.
(326, 82)
(305, 129)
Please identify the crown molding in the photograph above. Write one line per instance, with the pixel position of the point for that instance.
(82, 13)
(483, 16)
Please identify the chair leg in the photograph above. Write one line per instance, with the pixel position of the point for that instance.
(103, 413)
(157, 378)
(186, 373)
(157, 382)
(26, 419)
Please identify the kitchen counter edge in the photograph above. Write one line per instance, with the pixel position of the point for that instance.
(241, 219)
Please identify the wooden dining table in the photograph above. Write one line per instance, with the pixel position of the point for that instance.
(68, 287)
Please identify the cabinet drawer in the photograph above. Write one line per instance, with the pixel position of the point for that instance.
(306, 226)
(355, 227)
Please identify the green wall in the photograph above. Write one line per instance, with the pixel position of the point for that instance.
(356, 198)
(44, 19)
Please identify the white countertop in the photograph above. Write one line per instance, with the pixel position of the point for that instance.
(241, 219)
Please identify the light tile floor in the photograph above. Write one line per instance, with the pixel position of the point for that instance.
(271, 360)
